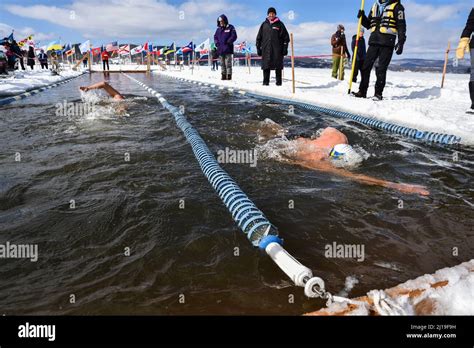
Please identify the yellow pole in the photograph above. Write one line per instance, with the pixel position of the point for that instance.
(292, 63)
(354, 56)
(446, 57)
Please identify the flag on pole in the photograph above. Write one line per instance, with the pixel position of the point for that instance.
(70, 52)
(112, 46)
(7, 39)
(188, 48)
(203, 48)
(85, 46)
(171, 49)
(240, 48)
(26, 41)
(162, 51)
(136, 50)
(148, 47)
(54, 46)
(95, 51)
(124, 50)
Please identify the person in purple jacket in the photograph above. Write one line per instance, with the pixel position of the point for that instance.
(224, 39)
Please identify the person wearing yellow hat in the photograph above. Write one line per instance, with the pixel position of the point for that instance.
(464, 47)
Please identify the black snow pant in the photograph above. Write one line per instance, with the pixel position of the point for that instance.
(358, 66)
(104, 63)
(384, 54)
(44, 65)
(266, 76)
(22, 64)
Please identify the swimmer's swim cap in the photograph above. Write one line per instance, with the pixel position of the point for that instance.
(345, 155)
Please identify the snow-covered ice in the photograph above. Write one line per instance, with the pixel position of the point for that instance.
(25, 80)
(412, 99)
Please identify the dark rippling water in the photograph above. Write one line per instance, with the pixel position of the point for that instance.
(190, 251)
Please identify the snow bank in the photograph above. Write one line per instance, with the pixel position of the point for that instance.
(21, 81)
(449, 291)
(412, 99)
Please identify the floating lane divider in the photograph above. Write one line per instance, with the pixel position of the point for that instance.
(429, 137)
(259, 231)
(23, 95)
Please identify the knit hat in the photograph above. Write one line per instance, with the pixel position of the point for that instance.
(272, 9)
(340, 27)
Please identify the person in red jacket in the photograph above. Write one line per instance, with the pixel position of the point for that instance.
(105, 60)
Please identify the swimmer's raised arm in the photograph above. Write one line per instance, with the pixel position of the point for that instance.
(324, 166)
(105, 86)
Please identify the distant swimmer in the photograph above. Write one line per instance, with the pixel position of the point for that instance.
(330, 151)
(105, 86)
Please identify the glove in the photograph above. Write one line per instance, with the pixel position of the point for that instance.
(259, 52)
(399, 48)
(463, 47)
(361, 14)
(285, 51)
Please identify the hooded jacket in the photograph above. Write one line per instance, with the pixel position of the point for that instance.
(225, 37)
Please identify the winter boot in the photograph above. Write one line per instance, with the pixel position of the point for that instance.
(360, 94)
(224, 77)
(378, 97)
(471, 92)
(229, 76)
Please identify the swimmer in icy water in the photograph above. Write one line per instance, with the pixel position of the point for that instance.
(329, 152)
(106, 87)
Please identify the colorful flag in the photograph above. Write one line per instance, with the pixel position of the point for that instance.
(26, 41)
(171, 49)
(240, 47)
(85, 46)
(70, 52)
(203, 48)
(148, 47)
(162, 51)
(124, 50)
(7, 39)
(95, 51)
(188, 48)
(54, 46)
(136, 50)
(112, 46)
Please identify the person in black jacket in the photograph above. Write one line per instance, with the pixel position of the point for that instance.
(464, 46)
(272, 46)
(31, 57)
(386, 22)
(361, 53)
(43, 59)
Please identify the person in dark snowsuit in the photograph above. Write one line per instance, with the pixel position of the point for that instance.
(224, 39)
(361, 53)
(43, 59)
(272, 46)
(31, 57)
(215, 57)
(386, 21)
(466, 36)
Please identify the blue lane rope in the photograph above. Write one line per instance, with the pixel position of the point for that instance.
(23, 95)
(251, 220)
(413, 133)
